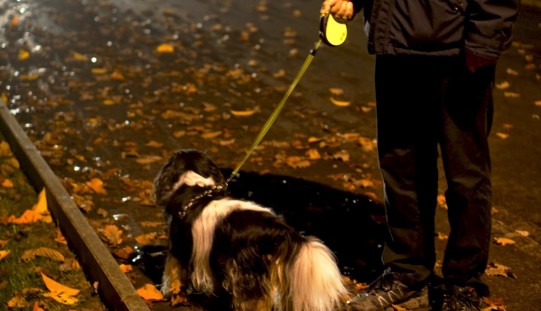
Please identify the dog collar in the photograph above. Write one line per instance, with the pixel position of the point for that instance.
(211, 191)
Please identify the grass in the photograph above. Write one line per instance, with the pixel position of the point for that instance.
(21, 280)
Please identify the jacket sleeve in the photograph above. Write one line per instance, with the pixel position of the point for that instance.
(488, 26)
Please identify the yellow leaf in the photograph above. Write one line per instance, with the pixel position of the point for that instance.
(23, 55)
(78, 56)
(126, 268)
(17, 302)
(243, 113)
(165, 48)
(537, 103)
(42, 252)
(99, 71)
(4, 254)
(60, 292)
(108, 102)
(503, 85)
(41, 207)
(150, 292)
(340, 103)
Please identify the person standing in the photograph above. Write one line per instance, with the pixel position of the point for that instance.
(434, 78)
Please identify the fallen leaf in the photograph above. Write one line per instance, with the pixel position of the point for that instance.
(42, 252)
(126, 268)
(36, 307)
(495, 269)
(150, 292)
(504, 241)
(7, 183)
(112, 235)
(78, 56)
(243, 113)
(28, 217)
(4, 254)
(336, 91)
(41, 207)
(313, 154)
(17, 302)
(511, 94)
(148, 159)
(502, 135)
(96, 184)
(340, 103)
(23, 54)
(512, 72)
(165, 48)
(503, 85)
(523, 233)
(59, 292)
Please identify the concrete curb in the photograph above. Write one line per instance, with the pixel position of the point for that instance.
(114, 287)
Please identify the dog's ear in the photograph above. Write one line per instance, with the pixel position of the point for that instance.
(178, 163)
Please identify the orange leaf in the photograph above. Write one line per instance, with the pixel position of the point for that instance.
(29, 216)
(4, 254)
(340, 103)
(7, 183)
(504, 241)
(36, 307)
(243, 113)
(97, 185)
(112, 235)
(165, 48)
(150, 292)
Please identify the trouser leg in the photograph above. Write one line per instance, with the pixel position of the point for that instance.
(407, 89)
(467, 119)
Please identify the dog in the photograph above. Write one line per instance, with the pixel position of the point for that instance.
(226, 247)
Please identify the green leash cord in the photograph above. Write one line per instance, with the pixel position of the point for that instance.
(333, 33)
(278, 109)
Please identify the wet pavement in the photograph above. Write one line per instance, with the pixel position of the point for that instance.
(107, 89)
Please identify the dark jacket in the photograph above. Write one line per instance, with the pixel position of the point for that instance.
(439, 27)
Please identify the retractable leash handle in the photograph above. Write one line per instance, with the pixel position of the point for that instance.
(333, 33)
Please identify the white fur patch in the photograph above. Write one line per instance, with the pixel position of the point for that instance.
(203, 236)
(315, 282)
(191, 178)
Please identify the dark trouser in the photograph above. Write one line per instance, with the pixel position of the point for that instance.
(423, 103)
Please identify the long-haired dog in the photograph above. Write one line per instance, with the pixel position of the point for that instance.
(233, 248)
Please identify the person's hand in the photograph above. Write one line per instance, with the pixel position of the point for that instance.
(342, 9)
(474, 61)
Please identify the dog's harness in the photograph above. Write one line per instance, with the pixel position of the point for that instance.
(210, 192)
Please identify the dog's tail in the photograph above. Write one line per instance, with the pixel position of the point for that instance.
(315, 282)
